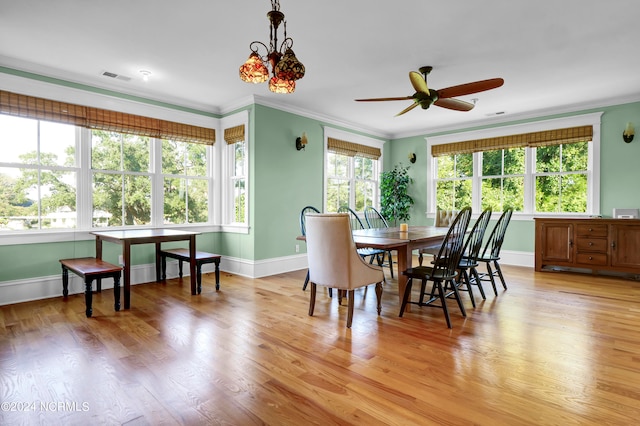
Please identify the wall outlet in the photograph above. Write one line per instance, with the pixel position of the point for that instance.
(120, 260)
(297, 248)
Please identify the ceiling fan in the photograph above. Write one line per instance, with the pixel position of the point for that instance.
(444, 98)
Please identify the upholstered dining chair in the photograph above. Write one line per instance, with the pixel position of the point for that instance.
(306, 210)
(443, 219)
(375, 220)
(491, 251)
(470, 252)
(443, 272)
(366, 252)
(334, 261)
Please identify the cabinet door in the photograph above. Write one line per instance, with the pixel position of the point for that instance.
(556, 243)
(625, 246)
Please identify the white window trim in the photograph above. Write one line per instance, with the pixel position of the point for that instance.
(331, 132)
(593, 175)
(223, 213)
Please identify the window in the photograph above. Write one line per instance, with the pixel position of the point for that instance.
(352, 171)
(68, 166)
(38, 175)
(121, 179)
(235, 172)
(186, 182)
(538, 168)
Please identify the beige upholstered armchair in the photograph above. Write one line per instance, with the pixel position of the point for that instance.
(334, 261)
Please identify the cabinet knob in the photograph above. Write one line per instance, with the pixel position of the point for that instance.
(590, 258)
(590, 243)
(590, 229)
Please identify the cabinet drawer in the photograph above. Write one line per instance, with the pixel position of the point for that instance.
(592, 230)
(592, 259)
(592, 244)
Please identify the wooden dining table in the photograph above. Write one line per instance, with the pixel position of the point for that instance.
(129, 237)
(404, 242)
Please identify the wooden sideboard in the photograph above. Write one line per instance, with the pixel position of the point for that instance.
(592, 244)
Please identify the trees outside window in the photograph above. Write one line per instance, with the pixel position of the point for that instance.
(38, 175)
(186, 183)
(541, 168)
(120, 167)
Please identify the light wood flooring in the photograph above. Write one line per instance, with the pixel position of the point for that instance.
(553, 349)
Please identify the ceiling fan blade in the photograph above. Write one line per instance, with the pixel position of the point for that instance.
(407, 109)
(469, 88)
(418, 82)
(455, 104)
(402, 98)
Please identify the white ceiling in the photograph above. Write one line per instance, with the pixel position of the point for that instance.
(554, 56)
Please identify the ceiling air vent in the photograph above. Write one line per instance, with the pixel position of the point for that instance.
(116, 76)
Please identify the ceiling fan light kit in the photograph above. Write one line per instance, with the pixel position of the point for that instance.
(425, 97)
(284, 65)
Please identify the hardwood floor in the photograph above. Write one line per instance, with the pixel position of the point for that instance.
(553, 349)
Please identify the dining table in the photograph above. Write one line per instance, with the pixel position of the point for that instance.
(129, 237)
(403, 242)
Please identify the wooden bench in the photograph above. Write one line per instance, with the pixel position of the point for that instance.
(202, 257)
(89, 269)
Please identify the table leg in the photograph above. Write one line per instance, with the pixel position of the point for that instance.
(126, 249)
(404, 261)
(192, 264)
(158, 262)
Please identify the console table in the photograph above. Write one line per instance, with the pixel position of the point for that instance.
(592, 244)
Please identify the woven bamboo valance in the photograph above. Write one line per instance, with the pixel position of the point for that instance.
(534, 139)
(234, 134)
(96, 118)
(352, 149)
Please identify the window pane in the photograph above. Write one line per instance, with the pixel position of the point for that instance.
(464, 165)
(173, 158)
(198, 201)
(137, 200)
(500, 193)
(462, 194)
(575, 157)
(548, 159)
(239, 159)
(574, 193)
(364, 195)
(106, 151)
(57, 144)
(337, 194)
(514, 161)
(239, 200)
(135, 151)
(175, 200)
(338, 165)
(58, 199)
(492, 163)
(445, 195)
(107, 200)
(548, 193)
(446, 167)
(18, 136)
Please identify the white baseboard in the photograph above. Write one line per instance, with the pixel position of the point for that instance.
(18, 291)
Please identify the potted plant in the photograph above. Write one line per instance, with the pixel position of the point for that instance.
(395, 202)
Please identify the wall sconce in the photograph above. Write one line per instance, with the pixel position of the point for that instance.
(412, 157)
(628, 133)
(301, 141)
